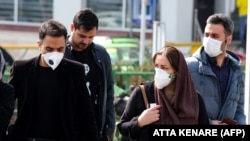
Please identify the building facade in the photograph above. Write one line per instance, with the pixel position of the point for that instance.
(117, 17)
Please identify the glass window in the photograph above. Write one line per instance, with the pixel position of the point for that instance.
(109, 12)
(7, 10)
(115, 14)
(33, 11)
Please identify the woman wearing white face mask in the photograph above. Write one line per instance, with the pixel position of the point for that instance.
(173, 92)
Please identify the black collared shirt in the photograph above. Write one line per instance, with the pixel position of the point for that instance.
(222, 73)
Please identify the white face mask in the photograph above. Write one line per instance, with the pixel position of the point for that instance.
(212, 47)
(53, 59)
(162, 78)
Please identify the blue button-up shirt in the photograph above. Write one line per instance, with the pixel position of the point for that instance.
(222, 73)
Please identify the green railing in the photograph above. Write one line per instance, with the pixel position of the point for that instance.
(6, 74)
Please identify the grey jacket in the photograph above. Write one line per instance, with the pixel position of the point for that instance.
(208, 85)
(106, 95)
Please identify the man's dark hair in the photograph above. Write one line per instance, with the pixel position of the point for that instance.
(52, 28)
(86, 19)
(224, 20)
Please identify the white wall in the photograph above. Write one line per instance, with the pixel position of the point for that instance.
(65, 10)
(177, 15)
(225, 6)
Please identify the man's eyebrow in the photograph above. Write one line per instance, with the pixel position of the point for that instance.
(213, 34)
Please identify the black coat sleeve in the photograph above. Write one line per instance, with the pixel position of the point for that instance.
(128, 125)
(7, 100)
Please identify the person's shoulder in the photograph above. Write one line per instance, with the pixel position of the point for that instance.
(192, 63)
(6, 86)
(72, 62)
(99, 48)
(72, 67)
(198, 55)
(102, 53)
(190, 59)
(235, 60)
(26, 62)
(148, 83)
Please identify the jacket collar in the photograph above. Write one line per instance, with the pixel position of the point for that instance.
(201, 55)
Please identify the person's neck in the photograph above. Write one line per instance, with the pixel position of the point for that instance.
(42, 63)
(70, 40)
(220, 59)
(73, 47)
(169, 91)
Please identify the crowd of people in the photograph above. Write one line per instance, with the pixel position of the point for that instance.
(66, 93)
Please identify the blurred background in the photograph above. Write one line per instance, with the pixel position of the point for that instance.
(130, 30)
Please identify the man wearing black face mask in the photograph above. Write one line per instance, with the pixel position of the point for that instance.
(53, 102)
(217, 72)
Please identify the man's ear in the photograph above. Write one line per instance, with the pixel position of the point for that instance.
(228, 39)
(39, 44)
(72, 27)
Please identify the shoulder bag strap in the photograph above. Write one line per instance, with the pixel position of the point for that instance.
(144, 95)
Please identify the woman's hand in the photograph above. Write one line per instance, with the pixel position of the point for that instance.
(149, 116)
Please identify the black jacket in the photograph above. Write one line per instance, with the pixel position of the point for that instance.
(75, 108)
(128, 124)
(7, 100)
(106, 95)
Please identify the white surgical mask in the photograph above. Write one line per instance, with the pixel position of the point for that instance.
(162, 78)
(212, 47)
(53, 59)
